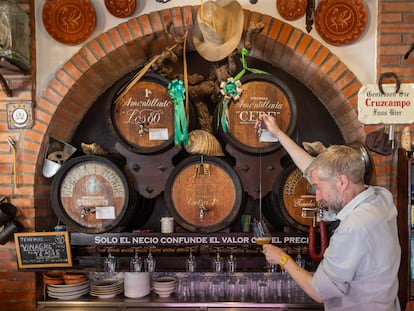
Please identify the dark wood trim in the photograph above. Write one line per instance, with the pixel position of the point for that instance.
(403, 228)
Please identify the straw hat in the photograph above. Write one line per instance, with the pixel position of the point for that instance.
(218, 29)
(203, 142)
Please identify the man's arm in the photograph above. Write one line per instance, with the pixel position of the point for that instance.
(301, 158)
(301, 276)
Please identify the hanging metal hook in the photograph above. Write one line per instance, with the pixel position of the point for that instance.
(409, 51)
(12, 144)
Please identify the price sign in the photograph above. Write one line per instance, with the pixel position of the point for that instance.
(390, 107)
(43, 249)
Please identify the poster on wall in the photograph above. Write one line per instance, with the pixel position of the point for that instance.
(392, 106)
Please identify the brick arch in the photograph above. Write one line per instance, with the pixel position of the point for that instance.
(130, 45)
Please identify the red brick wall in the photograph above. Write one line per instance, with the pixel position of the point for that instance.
(88, 73)
(18, 289)
(395, 36)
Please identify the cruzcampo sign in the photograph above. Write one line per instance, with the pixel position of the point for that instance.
(387, 107)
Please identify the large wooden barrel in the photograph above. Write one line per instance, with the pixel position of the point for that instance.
(143, 117)
(93, 194)
(203, 194)
(291, 202)
(261, 93)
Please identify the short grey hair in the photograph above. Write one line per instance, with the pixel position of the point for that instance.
(338, 160)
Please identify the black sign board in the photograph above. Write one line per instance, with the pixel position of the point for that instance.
(180, 239)
(43, 249)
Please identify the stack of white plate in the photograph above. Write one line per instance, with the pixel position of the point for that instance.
(68, 291)
(136, 284)
(164, 286)
(107, 288)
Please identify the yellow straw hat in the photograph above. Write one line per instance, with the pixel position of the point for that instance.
(218, 29)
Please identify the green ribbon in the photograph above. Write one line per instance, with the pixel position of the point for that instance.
(245, 52)
(223, 120)
(229, 89)
(176, 90)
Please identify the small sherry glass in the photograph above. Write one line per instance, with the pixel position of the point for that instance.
(262, 236)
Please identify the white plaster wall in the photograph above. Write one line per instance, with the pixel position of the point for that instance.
(360, 56)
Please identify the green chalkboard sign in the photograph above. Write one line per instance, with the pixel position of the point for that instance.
(43, 249)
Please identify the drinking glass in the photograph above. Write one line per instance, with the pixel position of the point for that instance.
(216, 289)
(231, 289)
(243, 289)
(262, 236)
(190, 262)
(135, 263)
(150, 262)
(202, 287)
(184, 290)
(110, 263)
(218, 263)
(231, 264)
(261, 292)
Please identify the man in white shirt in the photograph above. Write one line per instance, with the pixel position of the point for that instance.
(359, 270)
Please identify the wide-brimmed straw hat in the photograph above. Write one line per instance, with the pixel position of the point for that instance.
(218, 29)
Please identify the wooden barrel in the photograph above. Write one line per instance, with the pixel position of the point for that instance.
(141, 214)
(261, 93)
(143, 117)
(363, 152)
(203, 194)
(291, 202)
(93, 194)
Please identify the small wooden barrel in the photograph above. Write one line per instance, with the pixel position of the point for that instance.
(260, 94)
(204, 194)
(292, 201)
(362, 150)
(143, 117)
(93, 194)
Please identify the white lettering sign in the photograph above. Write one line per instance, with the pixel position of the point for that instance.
(192, 240)
(390, 107)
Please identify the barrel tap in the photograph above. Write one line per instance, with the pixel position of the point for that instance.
(203, 209)
(259, 129)
(142, 128)
(86, 210)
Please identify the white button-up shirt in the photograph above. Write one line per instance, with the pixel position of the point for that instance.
(360, 267)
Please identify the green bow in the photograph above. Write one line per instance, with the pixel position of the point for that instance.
(229, 90)
(245, 52)
(176, 90)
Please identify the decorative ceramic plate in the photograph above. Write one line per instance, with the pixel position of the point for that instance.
(69, 21)
(120, 8)
(291, 9)
(340, 22)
